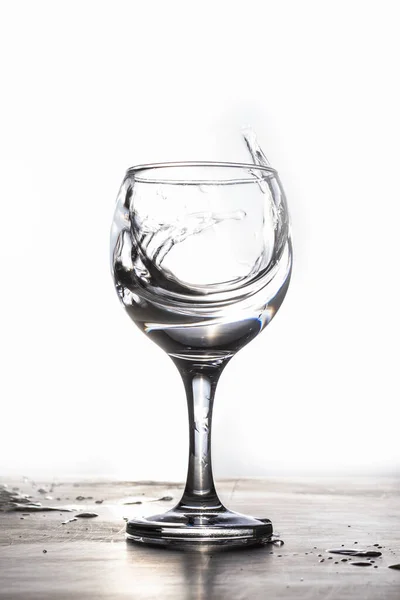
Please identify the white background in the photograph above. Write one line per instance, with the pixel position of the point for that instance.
(90, 88)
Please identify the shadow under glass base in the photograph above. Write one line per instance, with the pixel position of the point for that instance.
(196, 530)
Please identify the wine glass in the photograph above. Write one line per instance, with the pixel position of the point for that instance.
(201, 259)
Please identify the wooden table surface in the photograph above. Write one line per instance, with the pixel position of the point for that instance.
(90, 559)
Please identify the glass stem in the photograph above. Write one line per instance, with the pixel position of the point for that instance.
(200, 384)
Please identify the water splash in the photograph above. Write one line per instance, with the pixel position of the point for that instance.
(254, 147)
(200, 280)
(156, 240)
(279, 207)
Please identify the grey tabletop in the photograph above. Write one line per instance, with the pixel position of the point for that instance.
(42, 558)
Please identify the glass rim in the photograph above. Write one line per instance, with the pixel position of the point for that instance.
(137, 169)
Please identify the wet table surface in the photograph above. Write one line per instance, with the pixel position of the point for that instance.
(89, 558)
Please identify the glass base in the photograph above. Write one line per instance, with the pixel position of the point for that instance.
(198, 530)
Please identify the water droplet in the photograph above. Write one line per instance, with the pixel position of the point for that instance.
(344, 559)
(87, 515)
(361, 563)
(376, 545)
(37, 507)
(301, 579)
(396, 567)
(336, 562)
(278, 542)
(99, 501)
(69, 521)
(44, 551)
(279, 555)
(375, 566)
(354, 552)
(322, 560)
